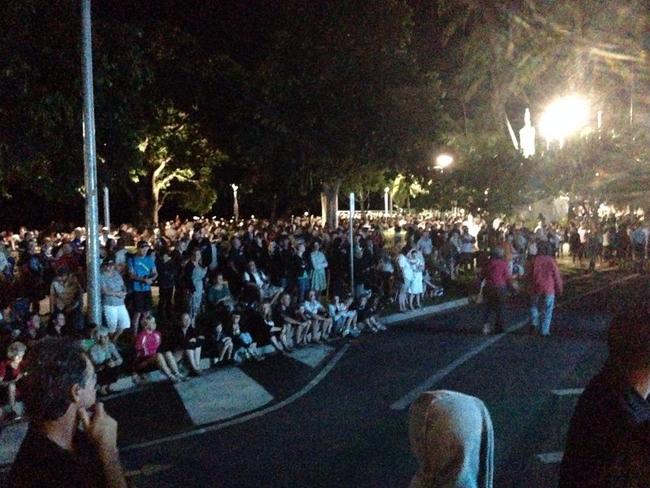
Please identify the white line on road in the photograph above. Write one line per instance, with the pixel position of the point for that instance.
(412, 395)
(404, 402)
(568, 392)
(184, 435)
(550, 457)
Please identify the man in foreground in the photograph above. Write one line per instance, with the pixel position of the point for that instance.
(608, 445)
(71, 441)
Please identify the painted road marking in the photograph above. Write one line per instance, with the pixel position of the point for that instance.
(230, 392)
(568, 392)
(550, 457)
(148, 470)
(311, 356)
(404, 402)
(212, 428)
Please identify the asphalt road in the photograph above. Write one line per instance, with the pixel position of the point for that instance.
(344, 433)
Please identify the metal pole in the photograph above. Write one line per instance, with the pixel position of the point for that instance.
(386, 190)
(351, 226)
(107, 209)
(235, 204)
(90, 170)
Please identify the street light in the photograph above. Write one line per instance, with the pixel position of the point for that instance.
(235, 204)
(386, 191)
(443, 161)
(563, 117)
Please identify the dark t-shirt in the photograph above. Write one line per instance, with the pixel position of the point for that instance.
(608, 443)
(40, 463)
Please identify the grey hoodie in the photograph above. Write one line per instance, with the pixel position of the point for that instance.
(452, 437)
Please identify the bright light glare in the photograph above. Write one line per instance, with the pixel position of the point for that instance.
(563, 117)
(443, 161)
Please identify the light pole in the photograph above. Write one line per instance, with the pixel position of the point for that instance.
(386, 190)
(107, 209)
(235, 205)
(351, 237)
(90, 169)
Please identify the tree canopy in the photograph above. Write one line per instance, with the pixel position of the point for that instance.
(291, 99)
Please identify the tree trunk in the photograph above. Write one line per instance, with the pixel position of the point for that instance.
(330, 203)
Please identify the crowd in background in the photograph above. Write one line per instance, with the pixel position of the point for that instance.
(234, 291)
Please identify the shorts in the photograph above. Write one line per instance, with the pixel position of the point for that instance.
(116, 317)
(142, 301)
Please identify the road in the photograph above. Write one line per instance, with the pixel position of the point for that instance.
(350, 429)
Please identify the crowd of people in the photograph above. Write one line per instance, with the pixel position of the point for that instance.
(233, 291)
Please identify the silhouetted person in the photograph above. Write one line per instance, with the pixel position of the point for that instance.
(58, 390)
(608, 445)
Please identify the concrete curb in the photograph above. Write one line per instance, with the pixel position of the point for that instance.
(423, 312)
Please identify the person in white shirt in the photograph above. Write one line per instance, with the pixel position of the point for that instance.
(407, 278)
(467, 242)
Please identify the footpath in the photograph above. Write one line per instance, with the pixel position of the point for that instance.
(226, 395)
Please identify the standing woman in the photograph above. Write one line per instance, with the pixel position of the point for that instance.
(416, 289)
(113, 294)
(299, 272)
(406, 270)
(319, 269)
(195, 274)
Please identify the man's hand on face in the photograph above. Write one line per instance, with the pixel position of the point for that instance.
(101, 428)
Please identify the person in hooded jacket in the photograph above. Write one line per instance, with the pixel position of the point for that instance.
(452, 437)
(608, 443)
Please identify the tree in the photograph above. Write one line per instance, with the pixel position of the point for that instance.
(504, 57)
(342, 94)
(176, 161)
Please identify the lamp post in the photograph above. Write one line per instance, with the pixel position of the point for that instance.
(235, 205)
(107, 209)
(90, 168)
(351, 237)
(386, 190)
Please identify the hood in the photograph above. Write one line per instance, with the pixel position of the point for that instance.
(452, 438)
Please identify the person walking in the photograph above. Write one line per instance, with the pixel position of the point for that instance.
(498, 277)
(545, 283)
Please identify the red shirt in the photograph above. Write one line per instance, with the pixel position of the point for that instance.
(496, 273)
(147, 343)
(7, 373)
(544, 276)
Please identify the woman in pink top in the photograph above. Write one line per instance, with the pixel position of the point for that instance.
(147, 357)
